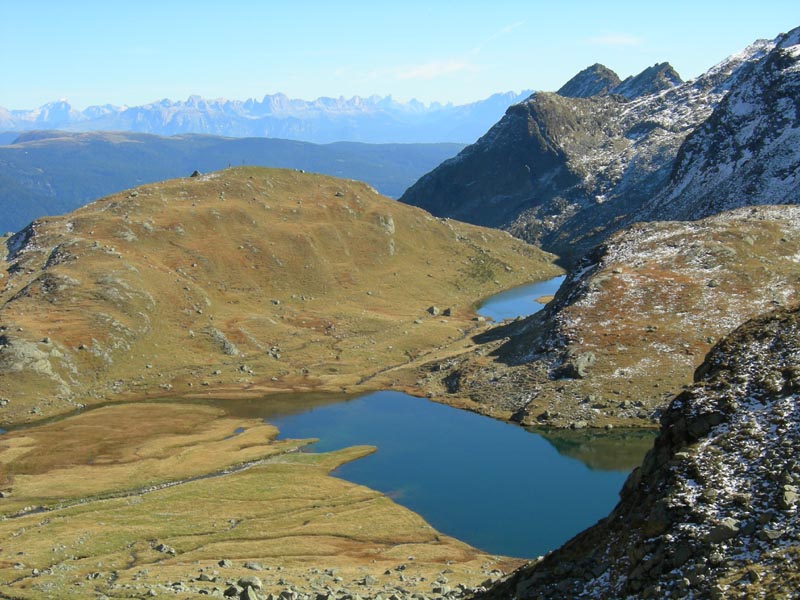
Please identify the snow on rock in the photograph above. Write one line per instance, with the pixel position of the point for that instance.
(660, 151)
(748, 151)
(713, 510)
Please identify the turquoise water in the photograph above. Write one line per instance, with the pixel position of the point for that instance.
(491, 484)
(519, 301)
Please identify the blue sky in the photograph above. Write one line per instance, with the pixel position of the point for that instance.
(124, 52)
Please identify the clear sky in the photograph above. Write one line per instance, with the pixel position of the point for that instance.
(135, 52)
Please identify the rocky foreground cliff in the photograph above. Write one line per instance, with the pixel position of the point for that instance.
(713, 511)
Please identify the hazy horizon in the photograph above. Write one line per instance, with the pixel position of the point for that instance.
(95, 53)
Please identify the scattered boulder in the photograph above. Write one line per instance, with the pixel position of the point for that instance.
(250, 582)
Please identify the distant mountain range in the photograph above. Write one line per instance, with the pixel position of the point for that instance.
(566, 170)
(52, 172)
(372, 120)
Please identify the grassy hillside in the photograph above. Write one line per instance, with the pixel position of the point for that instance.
(249, 279)
(46, 173)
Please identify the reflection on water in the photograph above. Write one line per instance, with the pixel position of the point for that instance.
(616, 450)
(494, 485)
(273, 406)
(520, 301)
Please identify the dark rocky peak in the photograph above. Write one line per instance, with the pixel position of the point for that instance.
(592, 81)
(713, 510)
(650, 81)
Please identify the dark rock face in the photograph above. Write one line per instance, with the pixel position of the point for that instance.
(567, 172)
(592, 81)
(713, 510)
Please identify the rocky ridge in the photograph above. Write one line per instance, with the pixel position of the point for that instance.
(565, 173)
(595, 80)
(713, 511)
(599, 80)
(629, 326)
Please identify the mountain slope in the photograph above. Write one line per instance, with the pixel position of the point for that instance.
(748, 151)
(324, 120)
(248, 279)
(629, 326)
(713, 511)
(48, 172)
(567, 172)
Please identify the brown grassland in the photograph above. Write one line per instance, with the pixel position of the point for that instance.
(240, 283)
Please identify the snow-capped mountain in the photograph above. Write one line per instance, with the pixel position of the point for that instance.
(566, 172)
(375, 119)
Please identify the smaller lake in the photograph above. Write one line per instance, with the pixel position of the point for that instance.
(491, 484)
(520, 301)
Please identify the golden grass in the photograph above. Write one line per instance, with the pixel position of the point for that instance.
(287, 512)
(124, 448)
(248, 280)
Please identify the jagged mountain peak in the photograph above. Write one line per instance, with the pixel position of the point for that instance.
(569, 173)
(653, 79)
(599, 80)
(373, 119)
(592, 81)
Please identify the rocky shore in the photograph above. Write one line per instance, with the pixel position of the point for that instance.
(627, 329)
(252, 580)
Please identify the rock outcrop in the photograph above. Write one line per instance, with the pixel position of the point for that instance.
(592, 81)
(713, 510)
(629, 326)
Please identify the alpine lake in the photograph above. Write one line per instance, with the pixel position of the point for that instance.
(500, 488)
(497, 486)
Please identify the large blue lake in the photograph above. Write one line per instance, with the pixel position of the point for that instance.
(494, 485)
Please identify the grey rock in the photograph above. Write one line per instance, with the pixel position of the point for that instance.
(250, 582)
(251, 594)
(165, 549)
(788, 497)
